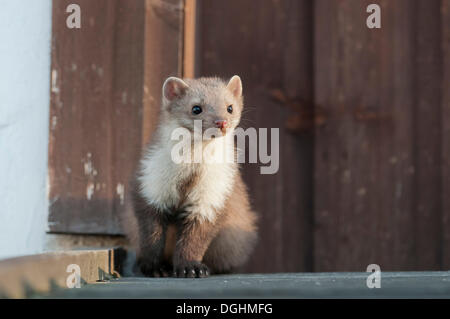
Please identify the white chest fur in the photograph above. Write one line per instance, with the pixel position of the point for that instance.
(160, 179)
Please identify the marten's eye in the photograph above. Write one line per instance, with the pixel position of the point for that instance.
(230, 109)
(196, 110)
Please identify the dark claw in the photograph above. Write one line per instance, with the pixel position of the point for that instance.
(191, 273)
(191, 270)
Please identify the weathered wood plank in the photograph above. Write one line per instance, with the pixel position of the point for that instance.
(427, 137)
(23, 276)
(106, 84)
(364, 164)
(377, 168)
(445, 40)
(95, 122)
(271, 50)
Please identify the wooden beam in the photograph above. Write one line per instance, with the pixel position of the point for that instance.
(190, 38)
(22, 277)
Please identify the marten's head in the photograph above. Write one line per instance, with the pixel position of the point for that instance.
(217, 104)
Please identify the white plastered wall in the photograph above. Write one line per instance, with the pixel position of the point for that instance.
(25, 41)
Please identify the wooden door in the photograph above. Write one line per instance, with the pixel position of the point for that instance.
(364, 119)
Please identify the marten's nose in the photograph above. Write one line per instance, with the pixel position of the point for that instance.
(221, 123)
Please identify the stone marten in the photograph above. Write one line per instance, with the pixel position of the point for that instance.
(193, 218)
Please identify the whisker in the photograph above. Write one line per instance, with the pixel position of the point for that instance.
(248, 121)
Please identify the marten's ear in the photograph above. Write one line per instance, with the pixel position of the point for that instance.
(174, 88)
(235, 86)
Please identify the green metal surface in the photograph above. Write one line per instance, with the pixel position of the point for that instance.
(286, 285)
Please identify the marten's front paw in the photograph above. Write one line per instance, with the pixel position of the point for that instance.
(191, 269)
(153, 268)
